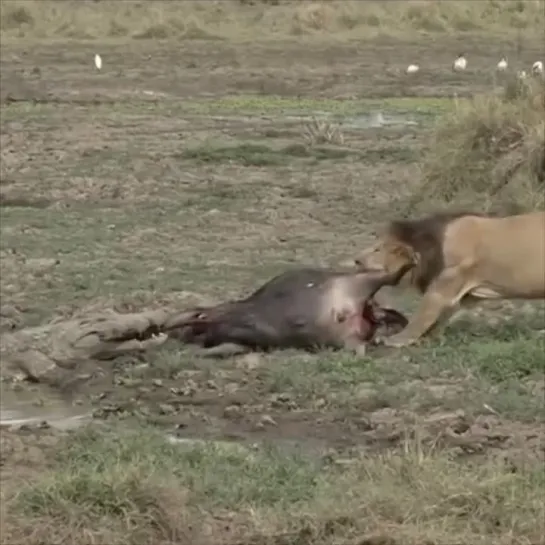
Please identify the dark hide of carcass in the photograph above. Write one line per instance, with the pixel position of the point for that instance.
(307, 308)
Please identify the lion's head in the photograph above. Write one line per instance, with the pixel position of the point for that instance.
(387, 255)
(417, 242)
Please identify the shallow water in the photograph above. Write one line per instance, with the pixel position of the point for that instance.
(369, 120)
(378, 119)
(32, 405)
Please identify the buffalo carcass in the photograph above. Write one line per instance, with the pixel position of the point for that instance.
(306, 308)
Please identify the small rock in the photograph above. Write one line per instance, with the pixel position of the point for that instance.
(232, 412)
(267, 420)
(176, 391)
(231, 387)
(364, 424)
(144, 390)
(381, 416)
(211, 385)
(157, 382)
(98, 413)
(111, 408)
(189, 388)
(320, 403)
(250, 361)
(132, 382)
(365, 390)
(165, 408)
(280, 399)
(144, 411)
(40, 266)
(344, 462)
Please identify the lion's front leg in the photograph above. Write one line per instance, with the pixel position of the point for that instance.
(439, 300)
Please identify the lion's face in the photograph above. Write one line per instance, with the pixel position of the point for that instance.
(387, 255)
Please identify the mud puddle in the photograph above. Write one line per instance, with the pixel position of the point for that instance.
(33, 405)
(37, 408)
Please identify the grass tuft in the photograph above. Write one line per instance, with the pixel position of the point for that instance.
(491, 147)
(322, 132)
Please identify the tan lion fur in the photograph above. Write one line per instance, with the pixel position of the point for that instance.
(461, 258)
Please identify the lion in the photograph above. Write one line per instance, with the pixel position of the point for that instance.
(458, 259)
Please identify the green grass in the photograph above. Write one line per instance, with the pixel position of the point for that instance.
(219, 476)
(113, 479)
(424, 108)
(271, 104)
(259, 155)
(473, 372)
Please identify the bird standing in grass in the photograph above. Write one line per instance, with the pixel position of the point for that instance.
(502, 65)
(537, 68)
(460, 63)
(98, 62)
(412, 69)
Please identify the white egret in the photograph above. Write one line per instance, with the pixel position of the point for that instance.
(502, 65)
(460, 63)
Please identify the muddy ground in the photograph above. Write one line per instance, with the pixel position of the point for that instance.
(187, 174)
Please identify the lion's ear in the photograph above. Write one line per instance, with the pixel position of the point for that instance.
(405, 254)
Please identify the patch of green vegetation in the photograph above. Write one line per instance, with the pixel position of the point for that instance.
(101, 473)
(473, 370)
(96, 254)
(389, 155)
(271, 104)
(261, 155)
(248, 154)
(134, 481)
(502, 361)
(420, 107)
(336, 377)
(27, 113)
(515, 398)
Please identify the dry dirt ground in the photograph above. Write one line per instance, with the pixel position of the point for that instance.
(184, 174)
